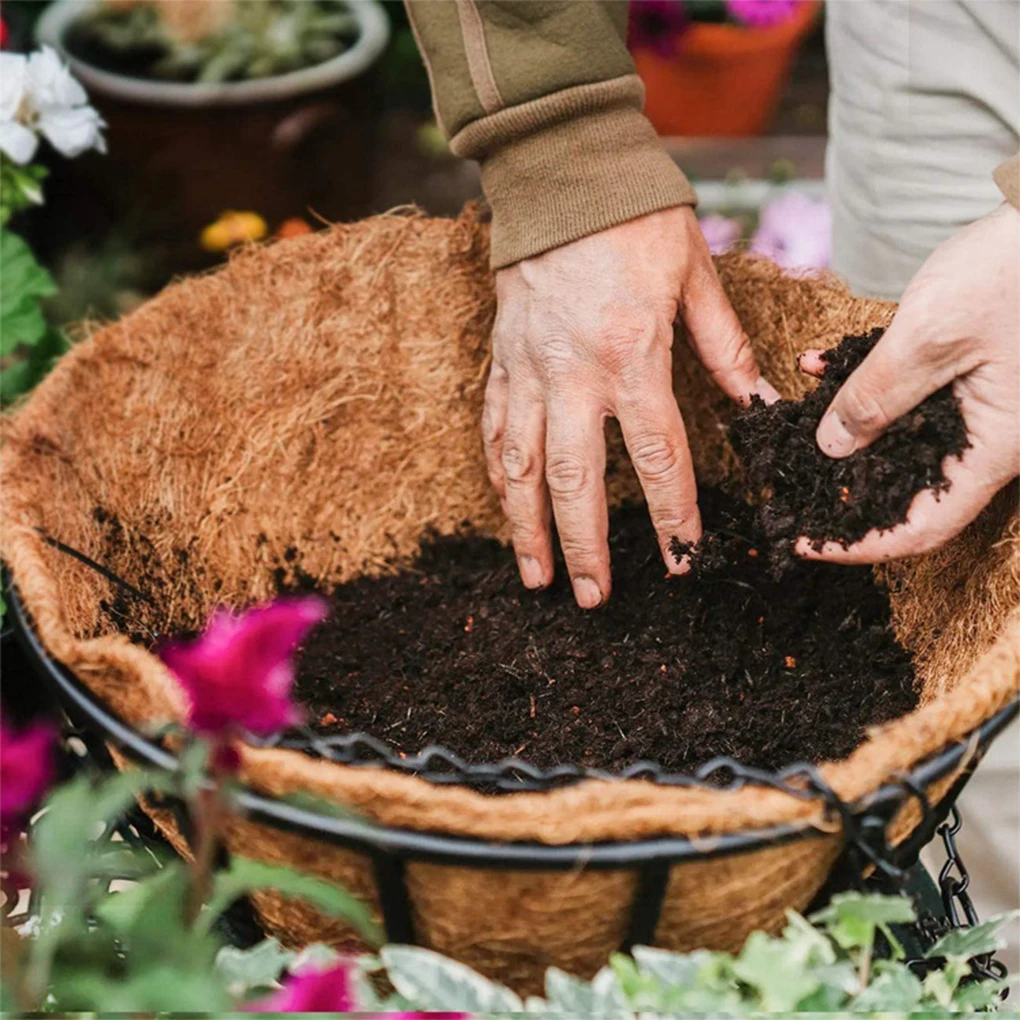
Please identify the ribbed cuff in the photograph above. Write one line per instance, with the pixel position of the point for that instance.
(1007, 176)
(568, 165)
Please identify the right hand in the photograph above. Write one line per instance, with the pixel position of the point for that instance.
(583, 332)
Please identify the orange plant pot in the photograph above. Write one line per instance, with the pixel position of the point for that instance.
(725, 80)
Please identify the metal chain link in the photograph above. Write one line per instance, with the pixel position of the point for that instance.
(954, 882)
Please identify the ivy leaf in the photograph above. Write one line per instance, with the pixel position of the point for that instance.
(780, 979)
(244, 875)
(676, 969)
(433, 982)
(244, 971)
(602, 996)
(894, 990)
(851, 918)
(980, 995)
(965, 943)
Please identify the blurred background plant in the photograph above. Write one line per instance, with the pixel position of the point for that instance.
(212, 40)
(39, 100)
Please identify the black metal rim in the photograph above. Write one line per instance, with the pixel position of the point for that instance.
(800, 781)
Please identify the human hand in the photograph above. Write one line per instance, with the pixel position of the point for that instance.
(583, 332)
(959, 323)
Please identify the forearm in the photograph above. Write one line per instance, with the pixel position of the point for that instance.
(544, 96)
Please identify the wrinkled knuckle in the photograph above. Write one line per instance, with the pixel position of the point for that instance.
(654, 457)
(862, 409)
(555, 355)
(492, 426)
(520, 464)
(567, 474)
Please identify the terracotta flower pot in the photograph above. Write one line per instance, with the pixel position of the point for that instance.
(724, 80)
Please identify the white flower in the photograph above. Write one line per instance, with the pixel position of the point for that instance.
(39, 96)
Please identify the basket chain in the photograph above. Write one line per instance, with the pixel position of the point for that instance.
(954, 880)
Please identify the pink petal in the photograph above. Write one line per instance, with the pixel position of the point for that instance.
(313, 991)
(239, 672)
(26, 767)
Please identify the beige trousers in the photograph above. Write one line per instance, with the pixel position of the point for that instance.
(925, 102)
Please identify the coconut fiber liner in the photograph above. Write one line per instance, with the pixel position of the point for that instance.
(315, 406)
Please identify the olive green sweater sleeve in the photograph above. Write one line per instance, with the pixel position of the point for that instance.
(543, 94)
(1007, 176)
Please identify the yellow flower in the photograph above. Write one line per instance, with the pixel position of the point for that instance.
(233, 228)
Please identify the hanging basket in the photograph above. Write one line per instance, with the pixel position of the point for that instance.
(314, 407)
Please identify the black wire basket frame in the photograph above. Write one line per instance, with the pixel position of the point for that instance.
(864, 823)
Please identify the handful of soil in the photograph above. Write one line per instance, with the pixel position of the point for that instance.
(805, 492)
(452, 650)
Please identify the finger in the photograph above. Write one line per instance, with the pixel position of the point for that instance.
(898, 373)
(656, 440)
(527, 498)
(575, 466)
(812, 362)
(494, 427)
(932, 519)
(718, 338)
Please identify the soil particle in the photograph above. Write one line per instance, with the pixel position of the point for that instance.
(724, 661)
(804, 492)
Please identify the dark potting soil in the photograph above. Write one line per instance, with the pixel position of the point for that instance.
(724, 661)
(807, 493)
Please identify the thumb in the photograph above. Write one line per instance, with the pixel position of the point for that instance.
(718, 339)
(894, 378)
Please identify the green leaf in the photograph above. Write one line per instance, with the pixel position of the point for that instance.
(980, 995)
(965, 943)
(675, 969)
(22, 324)
(806, 942)
(244, 875)
(894, 989)
(62, 848)
(851, 918)
(433, 982)
(166, 988)
(244, 971)
(602, 996)
(22, 283)
(21, 372)
(780, 979)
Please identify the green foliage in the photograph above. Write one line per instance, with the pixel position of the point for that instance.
(27, 343)
(20, 187)
(261, 38)
(152, 943)
(810, 968)
(144, 945)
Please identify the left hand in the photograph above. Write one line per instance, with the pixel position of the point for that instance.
(959, 323)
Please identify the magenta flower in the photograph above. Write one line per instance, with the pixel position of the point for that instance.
(657, 25)
(762, 13)
(721, 232)
(314, 991)
(795, 231)
(238, 674)
(26, 769)
(330, 990)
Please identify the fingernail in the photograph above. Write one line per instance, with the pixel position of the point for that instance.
(587, 593)
(766, 390)
(833, 437)
(531, 572)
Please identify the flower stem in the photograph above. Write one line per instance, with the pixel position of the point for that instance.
(207, 812)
